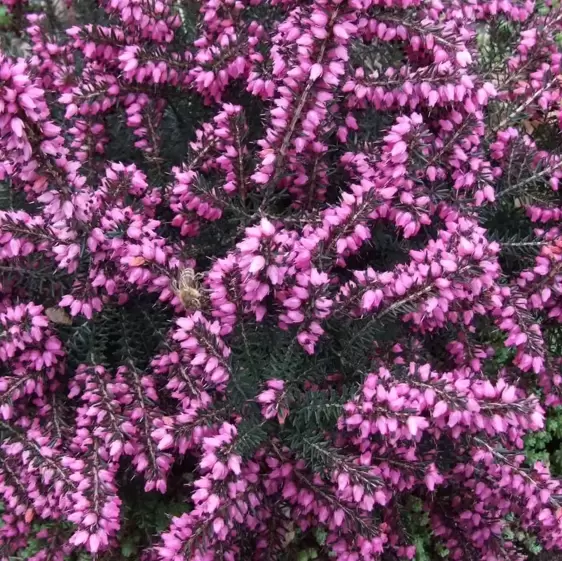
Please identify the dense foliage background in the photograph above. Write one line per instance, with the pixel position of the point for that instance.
(280, 279)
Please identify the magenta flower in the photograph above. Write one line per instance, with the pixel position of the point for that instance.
(291, 270)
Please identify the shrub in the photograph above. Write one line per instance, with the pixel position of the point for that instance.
(280, 280)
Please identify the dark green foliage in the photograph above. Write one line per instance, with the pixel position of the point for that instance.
(523, 539)
(146, 515)
(129, 333)
(546, 446)
(417, 527)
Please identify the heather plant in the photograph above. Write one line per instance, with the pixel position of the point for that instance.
(280, 280)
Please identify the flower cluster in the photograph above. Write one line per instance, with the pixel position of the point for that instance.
(295, 265)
